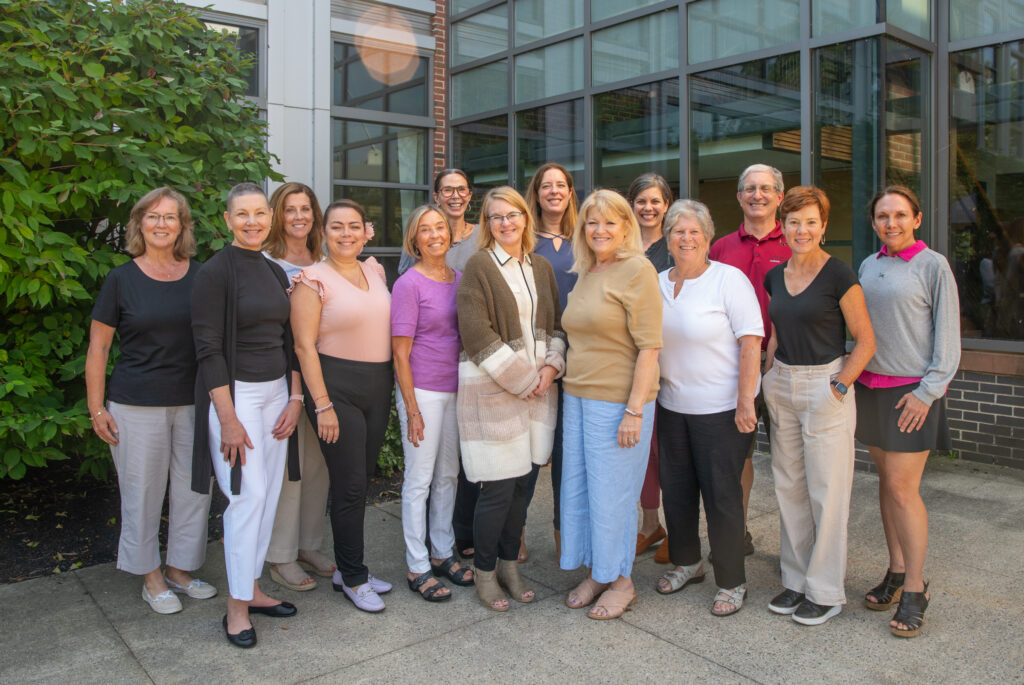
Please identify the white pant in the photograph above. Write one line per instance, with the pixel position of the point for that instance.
(433, 467)
(301, 509)
(249, 518)
(155, 443)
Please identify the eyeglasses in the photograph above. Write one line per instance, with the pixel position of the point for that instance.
(500, 218)
(765, 190)
(154, 218)
(448, 191)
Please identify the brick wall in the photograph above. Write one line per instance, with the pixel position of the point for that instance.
(439, 83)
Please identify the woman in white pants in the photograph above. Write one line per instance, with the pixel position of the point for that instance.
(425, 345)
(244, 415)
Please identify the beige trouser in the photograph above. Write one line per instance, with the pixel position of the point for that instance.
(812, 462)
(154, 448)
(303, 504)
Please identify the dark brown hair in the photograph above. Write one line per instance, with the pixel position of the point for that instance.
(904, 191)
(568, 222)
(275, 243)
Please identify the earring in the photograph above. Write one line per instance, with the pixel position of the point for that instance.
(822, 243)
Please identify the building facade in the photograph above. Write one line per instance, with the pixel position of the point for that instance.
(367, 99)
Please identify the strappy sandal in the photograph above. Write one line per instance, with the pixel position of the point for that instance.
(585, 593)
(614, 602)
(885, 593)
(910, 613)
(489, 591)
(457, 576)
(509, 578)
(680, 577)
(733, 597)
(431, 594)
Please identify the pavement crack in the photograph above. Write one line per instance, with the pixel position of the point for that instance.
(113, 627)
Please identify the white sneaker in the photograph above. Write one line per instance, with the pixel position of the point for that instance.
(197, 589)
(164, 603)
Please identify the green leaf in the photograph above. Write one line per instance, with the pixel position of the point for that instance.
(93, 70)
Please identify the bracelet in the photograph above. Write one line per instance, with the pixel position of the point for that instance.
(96, 416)
(638, 414)
(321, 410)
(410, 416)
(295, 398)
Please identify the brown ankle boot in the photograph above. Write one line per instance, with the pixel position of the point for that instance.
(488, 589)
(508, 576)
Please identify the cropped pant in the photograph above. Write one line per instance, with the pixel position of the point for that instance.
(303, 504)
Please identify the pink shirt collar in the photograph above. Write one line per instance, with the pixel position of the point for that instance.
(906, 254)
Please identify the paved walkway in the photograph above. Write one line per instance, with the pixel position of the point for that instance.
(91, 627)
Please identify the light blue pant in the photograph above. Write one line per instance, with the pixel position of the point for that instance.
(600, 487)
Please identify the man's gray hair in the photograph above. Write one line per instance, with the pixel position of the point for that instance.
(776, 176)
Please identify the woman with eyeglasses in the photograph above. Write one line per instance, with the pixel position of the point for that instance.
(509, 322)
(452, 193)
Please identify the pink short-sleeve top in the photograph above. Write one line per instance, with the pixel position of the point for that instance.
(355, 324)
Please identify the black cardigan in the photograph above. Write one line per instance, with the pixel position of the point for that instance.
(216, 282)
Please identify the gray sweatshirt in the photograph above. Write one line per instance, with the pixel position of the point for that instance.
(915, 312)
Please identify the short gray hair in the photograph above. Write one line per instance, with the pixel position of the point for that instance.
(690, 209)
(776, 177)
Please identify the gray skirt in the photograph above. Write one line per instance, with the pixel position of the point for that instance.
(877, 418)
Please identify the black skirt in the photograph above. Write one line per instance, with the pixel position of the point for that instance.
(877, 419)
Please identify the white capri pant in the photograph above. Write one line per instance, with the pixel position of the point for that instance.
(249, 518)
(302, 506)
(432, 468)
(154, 445)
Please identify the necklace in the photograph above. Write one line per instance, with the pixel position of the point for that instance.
(162, 272)
(444, 276)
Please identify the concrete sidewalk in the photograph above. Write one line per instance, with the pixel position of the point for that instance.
(90, 626)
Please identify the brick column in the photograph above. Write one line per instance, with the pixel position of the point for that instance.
(439, 83)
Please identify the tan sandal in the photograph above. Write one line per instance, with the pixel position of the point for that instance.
(585, 593)
(488, 590)
(614, 602)
(291, 576)
(317, 562)
(509, 578)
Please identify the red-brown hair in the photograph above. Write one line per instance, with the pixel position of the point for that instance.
(799, 197)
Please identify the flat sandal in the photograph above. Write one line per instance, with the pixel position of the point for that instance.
(586, 592)
(614, 602)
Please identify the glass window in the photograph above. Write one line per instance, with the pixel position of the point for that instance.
(364, 151)
(463, 5)
(986, 189)
(550, 134)
(602, 9)
(910, 15)
(722, 28)
(247, 41)
(742, 115)
(536, 19)
(481, 150)
(636, 130)
(480, 89)
(380, 80)
(907, 120)
(552, 70)
(642, 46)
(832, 16)
(971, 19)
(479, 36)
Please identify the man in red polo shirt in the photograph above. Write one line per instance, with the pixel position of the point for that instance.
(755, 249)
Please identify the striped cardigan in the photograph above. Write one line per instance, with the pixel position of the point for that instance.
(501, 432)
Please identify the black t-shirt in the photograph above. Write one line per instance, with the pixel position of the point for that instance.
(157, 366)
(659, 255)
(810, 326)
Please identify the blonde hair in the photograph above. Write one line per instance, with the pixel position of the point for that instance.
(275, 244)
(510, 195)
(413, 222)
(607, 203)
(184, 245)
(568, 221)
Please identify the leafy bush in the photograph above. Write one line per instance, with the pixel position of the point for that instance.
(391, 459)
(100, 101)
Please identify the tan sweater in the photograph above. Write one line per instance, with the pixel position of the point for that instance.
(611, 315)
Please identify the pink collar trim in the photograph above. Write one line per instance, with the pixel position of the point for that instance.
(905, 254)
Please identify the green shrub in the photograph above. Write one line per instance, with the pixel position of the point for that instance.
(391, 459)
(100, 101)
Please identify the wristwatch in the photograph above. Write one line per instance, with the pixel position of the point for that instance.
(840, 388)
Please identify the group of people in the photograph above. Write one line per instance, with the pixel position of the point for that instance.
(614, 339)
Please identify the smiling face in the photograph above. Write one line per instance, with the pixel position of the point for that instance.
(344, 234)
(453, 196)
(758, 198)
(298, 215)
(687, 242)
(432, 236)
(553, 193)
(507, 223)
(248, 217)
(650, 207)
(161, 225)
(804, 229)
(604, 234)
(894, 221)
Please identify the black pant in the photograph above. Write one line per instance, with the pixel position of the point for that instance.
(556, 465)
(361, 393)
(701, 456)
(499, 520)
(466, 495)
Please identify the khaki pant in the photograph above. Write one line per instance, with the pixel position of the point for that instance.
(812, 462)
(302, 507)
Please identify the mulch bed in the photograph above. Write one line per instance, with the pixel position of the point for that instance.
(54, 522)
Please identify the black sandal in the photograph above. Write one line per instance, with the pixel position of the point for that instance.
(911, 613)
(887, 592)
(430, 593)
(444, 570)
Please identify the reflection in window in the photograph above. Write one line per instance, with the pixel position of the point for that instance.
(480, 35)
(642, 46)
(602, 9)
(481, 150)
(907, 119)
(365, 151)
(972, 19)
(986, 188)
(636, 130)
(247, 42)
(552, 70)
(722, 28)
(742, 115)
(380, 80)
(385, 208)
(480, 89)
(536, 19)
(550, 134)
(463, 5)
(833, 16)
(913, 16)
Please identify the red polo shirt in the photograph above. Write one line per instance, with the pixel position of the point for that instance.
(755, 258)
